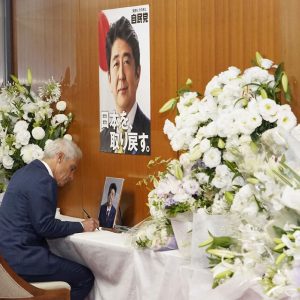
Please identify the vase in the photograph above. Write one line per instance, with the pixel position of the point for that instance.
(203, 224)
(182, 226)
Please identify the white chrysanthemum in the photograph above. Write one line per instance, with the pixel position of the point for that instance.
(31, 152)
(7, 162)
(61, 105)
(20, 126)
(38, 133)
(212, 157)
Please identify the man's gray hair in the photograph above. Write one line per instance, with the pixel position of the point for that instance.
(69, 148)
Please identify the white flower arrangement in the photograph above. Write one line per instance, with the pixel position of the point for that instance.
(155, 234)
(238, 159)
(27, 122)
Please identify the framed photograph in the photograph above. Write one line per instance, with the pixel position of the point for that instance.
(109, 204)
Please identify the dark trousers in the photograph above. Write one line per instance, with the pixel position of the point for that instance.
(80, 278)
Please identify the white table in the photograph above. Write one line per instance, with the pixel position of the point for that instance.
(123, 272)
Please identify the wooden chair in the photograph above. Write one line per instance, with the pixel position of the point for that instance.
(12, 286)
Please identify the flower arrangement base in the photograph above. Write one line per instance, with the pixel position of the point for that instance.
(203, 223)
(182, 226)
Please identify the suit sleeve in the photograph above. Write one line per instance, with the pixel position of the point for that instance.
(42, 206)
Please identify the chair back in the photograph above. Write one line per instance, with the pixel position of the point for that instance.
(10, 288)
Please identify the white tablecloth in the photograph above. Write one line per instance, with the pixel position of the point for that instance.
(123, 272)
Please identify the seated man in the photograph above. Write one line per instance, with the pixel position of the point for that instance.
(27, 219)
(107, 211)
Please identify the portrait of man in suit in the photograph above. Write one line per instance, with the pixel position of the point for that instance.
(108, 211)
(129, 128)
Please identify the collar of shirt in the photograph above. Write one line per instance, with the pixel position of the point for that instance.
(131, 115)
(48, 168)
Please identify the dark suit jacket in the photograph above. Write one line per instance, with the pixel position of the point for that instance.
(104, 221)
(27, 219)
(141, 124)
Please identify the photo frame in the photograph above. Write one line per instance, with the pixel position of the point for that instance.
(110, 201)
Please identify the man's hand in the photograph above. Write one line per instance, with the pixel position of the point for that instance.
(90, 224)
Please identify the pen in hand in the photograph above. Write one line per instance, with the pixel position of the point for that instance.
(87, 214)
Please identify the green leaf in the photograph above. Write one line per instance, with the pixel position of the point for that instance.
(278, 73)
(208, 242)
(279, 231)
(14, 78)
(223, 241)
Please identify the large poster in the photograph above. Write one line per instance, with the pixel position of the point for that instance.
(124, 80)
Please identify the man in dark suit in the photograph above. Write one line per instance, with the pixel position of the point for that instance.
(107, 211)
(124, 70)
(27, 219)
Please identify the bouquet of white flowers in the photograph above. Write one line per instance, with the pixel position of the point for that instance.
(28, 120)
(238, 159)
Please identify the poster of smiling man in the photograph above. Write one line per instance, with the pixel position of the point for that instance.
(124, 80)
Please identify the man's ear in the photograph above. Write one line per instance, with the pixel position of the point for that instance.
(138, 72)
(60, 156)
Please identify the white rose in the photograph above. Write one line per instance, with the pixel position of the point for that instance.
(61, 105)
(38, 133)
(68, 137)
(31, 152)
(7, 162)
(23, 137)
(20, 126)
